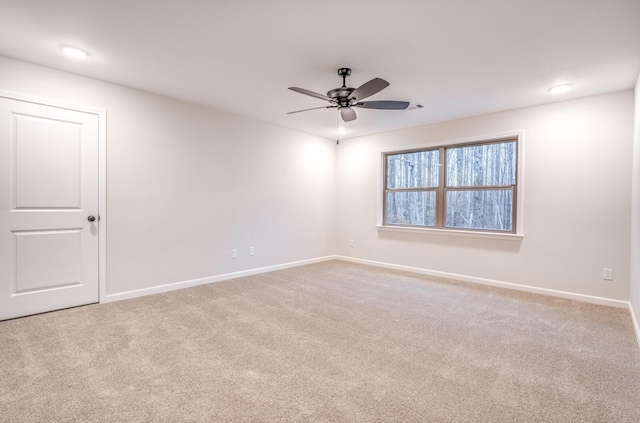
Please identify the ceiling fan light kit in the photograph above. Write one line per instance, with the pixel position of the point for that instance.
(346, 98)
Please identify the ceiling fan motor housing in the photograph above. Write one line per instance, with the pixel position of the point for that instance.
(341, 94)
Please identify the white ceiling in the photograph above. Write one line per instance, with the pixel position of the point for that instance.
(457, 58)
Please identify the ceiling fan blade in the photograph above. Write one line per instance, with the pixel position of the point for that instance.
(314, 108)
(368, 89)
(311, 93)
(348, 114)
(383, 105)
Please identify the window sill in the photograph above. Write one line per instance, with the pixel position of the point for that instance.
(454, 232)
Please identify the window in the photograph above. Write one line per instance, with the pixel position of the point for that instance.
(471, 186)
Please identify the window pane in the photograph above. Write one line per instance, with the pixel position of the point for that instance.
(413, 170)
(411, 208)
(482, 165)
(480, 209)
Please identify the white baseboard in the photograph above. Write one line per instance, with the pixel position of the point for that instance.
(211, 279)
(499, 284)
(635, 323)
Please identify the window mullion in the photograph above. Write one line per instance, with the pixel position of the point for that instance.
(440, 198)
(481, 188)
(411, 189)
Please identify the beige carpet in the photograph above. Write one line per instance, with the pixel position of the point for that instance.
(329, 342)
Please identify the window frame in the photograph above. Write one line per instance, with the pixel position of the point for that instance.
(441, 190)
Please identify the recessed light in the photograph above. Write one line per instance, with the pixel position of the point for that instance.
(341, 131)
(75, 52)
(559, 89)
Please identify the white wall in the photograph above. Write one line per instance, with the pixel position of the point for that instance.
(576, 199)
(635, 210)
(186, 184)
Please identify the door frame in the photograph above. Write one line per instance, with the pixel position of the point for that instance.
(102, 174)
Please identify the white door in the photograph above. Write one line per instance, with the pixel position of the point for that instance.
(48, 193)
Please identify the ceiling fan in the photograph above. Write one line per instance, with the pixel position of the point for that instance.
(346, 98)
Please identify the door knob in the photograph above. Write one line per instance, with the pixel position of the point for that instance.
(91, 218)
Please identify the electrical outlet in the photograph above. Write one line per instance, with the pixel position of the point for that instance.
(251, 251)
(352, 243)
(234, 253)
(607, 274)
